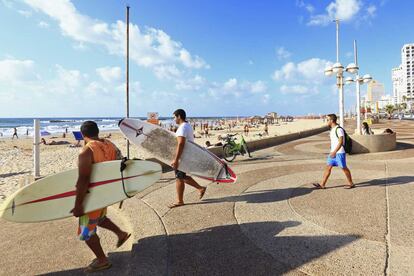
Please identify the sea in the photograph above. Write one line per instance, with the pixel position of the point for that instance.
(55, 126)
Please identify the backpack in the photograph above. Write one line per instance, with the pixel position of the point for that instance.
(348, 141)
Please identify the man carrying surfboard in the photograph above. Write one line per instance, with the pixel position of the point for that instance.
(96, 150)
(183, 133)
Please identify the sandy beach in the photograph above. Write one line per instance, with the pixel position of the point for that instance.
(16, 156)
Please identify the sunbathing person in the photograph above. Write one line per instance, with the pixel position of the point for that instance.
(52, 143)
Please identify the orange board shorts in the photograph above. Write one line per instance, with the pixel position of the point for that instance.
(88, 223)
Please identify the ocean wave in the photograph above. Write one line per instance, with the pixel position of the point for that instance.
(52, 129)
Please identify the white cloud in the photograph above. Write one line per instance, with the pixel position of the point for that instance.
(79, 46)
(304, 78)
(14, 70)
(25, 13)
(266, 98)
(66, 92)
(69, 78)
(295, 89)
(230, 84)
(344, 10)
(109, 74)
(286, 72)
(43, 24)
(148, 48)
(311, 70)
(7, 3)
(307, 6)
(371, 10)
(257, 87)
(196, 83)
(167, 72)
(282, 53)
(233, 86)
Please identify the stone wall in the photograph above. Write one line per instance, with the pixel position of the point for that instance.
(274, 141)
(373, 143)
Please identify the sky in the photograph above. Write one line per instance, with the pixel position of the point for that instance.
(66, 58)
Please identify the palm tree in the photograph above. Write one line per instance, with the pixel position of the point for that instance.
(390, 109)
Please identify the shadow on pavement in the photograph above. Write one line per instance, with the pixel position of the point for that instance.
(12, 174)
(391, 181)
(262, 196)
(403, 146)
(222, 250)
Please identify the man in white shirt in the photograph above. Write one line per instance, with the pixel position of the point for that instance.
(183, 133)
(337, 156)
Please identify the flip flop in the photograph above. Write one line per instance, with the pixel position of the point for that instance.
(175, 205)
(203, 192)
(350, 187)
(121, 242)
(94, 267)
(317, 185)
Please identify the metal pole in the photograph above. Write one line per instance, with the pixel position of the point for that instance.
(341, 100)
(358, 91)
(36, 150)
(127, 70)
(337, 40)
(340, 79)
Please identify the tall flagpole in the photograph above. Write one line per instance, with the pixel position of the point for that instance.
(127, 79)
(127, 70)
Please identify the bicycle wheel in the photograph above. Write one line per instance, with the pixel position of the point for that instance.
(228, 153)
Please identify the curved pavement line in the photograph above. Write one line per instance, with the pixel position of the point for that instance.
(311, 147)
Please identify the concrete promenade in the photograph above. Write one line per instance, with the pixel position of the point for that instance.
(271, 222)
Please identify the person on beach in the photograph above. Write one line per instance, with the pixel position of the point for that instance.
(266, 129)
(183, 133)
(337, 156)
(366, 130)
(388, 131)
(51, 143)
(15, 133)
(206, 132)
(96, 150)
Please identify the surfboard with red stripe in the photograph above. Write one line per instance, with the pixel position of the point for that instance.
(53, 197)
(161, 144)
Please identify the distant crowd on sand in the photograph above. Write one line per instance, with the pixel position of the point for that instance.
(205, 129)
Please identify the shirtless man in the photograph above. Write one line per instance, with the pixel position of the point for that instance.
(96, 150)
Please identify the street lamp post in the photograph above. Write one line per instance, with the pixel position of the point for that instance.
(338, 69)
(354, 69)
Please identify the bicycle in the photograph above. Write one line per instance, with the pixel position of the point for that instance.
(231, 149)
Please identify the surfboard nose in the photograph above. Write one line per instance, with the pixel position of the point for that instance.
(120, 121)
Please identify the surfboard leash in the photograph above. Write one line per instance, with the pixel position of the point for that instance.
(122, 168)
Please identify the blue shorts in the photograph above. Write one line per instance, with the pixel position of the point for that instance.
(338, 161)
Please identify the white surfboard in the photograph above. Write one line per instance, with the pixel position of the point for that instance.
(161, 144)
(53, 197)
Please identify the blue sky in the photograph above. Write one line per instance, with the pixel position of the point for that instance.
(212, 58)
